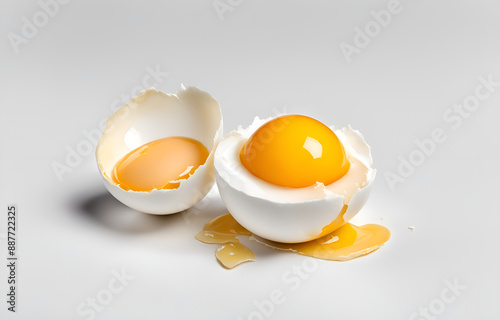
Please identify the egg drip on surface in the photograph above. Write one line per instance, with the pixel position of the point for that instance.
(345, 243)
(294, 184)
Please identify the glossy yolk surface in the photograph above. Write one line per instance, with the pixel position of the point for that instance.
(159, 164)
(295, 151)
(345, 243)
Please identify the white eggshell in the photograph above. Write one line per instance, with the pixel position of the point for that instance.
(155, 115)
(284, 214)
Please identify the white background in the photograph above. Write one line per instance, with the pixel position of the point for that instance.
(261, 58)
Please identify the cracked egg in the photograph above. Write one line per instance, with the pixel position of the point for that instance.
(292, 179)
(156, 153)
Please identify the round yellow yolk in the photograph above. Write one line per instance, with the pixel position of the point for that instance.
(295, 151)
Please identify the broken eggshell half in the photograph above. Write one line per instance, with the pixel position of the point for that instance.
(154, 115)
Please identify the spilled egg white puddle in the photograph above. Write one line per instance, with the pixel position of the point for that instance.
(345, 243)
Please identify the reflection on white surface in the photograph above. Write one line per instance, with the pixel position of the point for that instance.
(314, 147)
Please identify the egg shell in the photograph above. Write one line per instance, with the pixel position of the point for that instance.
(290, 215)
(153, 115)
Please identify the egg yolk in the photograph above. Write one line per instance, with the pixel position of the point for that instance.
(159, 164)
(295, 151)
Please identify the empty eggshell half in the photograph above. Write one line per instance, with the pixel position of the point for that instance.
(154, 115)
(292, 215)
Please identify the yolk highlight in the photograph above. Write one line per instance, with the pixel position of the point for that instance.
(295, 151)
(156, 164)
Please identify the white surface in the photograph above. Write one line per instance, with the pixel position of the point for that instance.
(264, 55)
